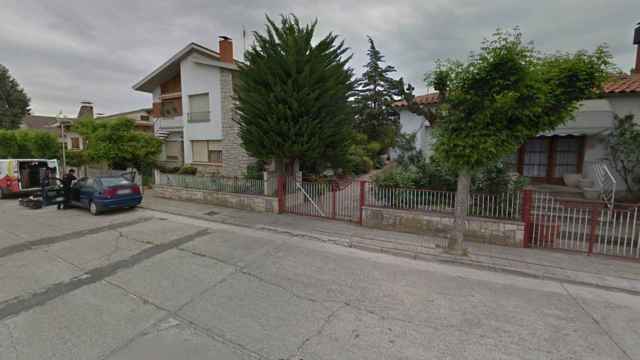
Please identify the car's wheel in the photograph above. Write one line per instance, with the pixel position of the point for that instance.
(2, 193)
(93, 209)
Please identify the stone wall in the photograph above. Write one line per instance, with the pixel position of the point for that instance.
(501, 232)
(234, 158)
(236, 201)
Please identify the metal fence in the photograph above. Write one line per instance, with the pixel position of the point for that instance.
(502, 206)
(214, 183)
(328, 199)
(588, 227)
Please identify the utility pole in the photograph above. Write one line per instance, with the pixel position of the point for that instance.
(64, 142)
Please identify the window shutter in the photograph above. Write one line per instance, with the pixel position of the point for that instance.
(200, 151)
(199, 108)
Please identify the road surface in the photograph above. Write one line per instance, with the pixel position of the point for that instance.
(146, 285)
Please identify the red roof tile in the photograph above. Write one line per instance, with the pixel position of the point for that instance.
(628, 84)
(428, 99)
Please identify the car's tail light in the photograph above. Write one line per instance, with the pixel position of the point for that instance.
(110, 192)
(136, 189)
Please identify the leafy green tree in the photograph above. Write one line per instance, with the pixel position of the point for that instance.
(293, 96)
(502, 96)
(376, 91)
(14, 102)
(117, 143)
(28, 144)
(624, 152)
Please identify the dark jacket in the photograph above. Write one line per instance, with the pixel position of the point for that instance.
(67, 181)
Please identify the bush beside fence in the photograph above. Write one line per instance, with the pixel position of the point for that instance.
(499, 206)
(219, 184)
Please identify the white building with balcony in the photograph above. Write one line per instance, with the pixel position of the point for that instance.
(193, 110)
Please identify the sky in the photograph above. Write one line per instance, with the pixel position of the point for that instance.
(66, 51)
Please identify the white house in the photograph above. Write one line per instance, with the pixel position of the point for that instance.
(574, 148)
(411, 123)
(193, 109)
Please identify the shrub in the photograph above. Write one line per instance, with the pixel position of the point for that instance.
(188, 170)
(255, 170)
(431, 175)
(168, 169)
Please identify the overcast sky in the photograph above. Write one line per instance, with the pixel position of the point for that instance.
(63, 52)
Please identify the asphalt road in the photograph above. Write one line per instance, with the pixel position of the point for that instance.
(146, 285)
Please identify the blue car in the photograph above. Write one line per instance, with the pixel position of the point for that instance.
(104, 193)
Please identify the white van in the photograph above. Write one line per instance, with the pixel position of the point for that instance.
(20, 176)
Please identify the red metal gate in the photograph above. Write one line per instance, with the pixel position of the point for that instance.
(340, 200)
(582, 226)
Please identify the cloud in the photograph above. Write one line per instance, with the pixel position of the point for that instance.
(66, 52)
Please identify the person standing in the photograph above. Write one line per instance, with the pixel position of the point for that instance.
(67, 181)
(45, 182)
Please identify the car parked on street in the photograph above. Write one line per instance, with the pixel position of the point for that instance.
(103, 193)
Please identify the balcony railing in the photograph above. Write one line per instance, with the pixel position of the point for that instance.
(168, 122)
(200, 116)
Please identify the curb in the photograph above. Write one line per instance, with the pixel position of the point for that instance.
(426, 252)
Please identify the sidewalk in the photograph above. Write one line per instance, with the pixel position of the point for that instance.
(603, 272)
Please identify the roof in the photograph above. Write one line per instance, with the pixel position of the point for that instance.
(46, 123)
(624, 84)
(593, 117)
(147, 110)
(627, 84)
(427, 99)
(171, 67)
(38, 121)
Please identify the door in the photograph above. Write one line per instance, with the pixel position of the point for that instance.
(86, 192)
(82, 192)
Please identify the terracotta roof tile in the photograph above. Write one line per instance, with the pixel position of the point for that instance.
(628, 84)
(428, 99)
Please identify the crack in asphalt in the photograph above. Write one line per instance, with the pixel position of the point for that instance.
(92, 276)
(320, 330)
(50, 240)
(596, 321)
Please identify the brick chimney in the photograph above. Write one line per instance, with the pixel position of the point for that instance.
(86, 109)
(225, 48)
(636, 42)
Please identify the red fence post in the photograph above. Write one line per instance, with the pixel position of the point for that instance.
(362, 201)
(281, 194)
(595, 217)
(527, 202)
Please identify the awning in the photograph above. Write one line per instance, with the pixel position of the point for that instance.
(593, 117)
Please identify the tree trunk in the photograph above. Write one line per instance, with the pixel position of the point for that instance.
(280, 167)
(456, 243)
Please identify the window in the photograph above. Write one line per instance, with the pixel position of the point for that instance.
(144, 117)
(536, 158)
(75, 143)
(173, 150)
(199, 108)
(170, 108)
(215, 156)
(566, 160)
(206, 151)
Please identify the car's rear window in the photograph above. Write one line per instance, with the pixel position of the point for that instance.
(114, 181)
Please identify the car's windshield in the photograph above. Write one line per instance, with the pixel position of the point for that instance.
(114, 181)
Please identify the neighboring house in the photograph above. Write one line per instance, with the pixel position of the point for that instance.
(411, 123)
(52, 124)
(575, 147)
(193, 109)
(141, 117)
